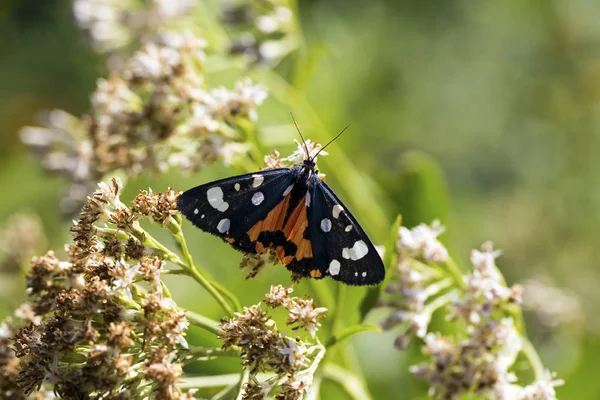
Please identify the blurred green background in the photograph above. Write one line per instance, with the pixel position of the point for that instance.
(483, 114)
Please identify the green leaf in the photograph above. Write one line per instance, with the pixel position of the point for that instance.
(389, 259)
(349, 332)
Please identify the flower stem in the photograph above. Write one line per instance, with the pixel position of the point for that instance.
(203, 322)
(205, 283)
(455, 272)
(189, 265)
(202, 353)
(309, 373)
(533, 358)
(208, 381)
(352, 385)
(243, 380)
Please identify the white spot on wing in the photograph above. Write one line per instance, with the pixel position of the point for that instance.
(336, 210)
(334, 267)
(258, 180)
(202, 216)
(215, 198)
(325, 224)
(236, 187)
(257, 198)
(364, 274)
(358, 251)
(307, 199)
(223, 225)
(288, 190)
(348, 228)
(196, 211)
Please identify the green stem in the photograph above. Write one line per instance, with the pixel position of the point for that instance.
(315, 388)
(438, 287)
(243, 380)
(205, 283)
(209, 381)
(165, 290)
(174, 272)
(202, 353)
(203, 322)
(528, 349)
(148, 240)
(309, 373)
(190, 266)
(440, 302)
(347, 381)
(533, 358)
(187, 256)
(226, 393)
(455, 272)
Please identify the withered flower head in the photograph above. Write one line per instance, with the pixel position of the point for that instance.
(154, 113)
(159, 207)
(477, 360)
(264, 31)
(114, 24)
(278, 296)
(421, 242)
(265, 348)
(99, 323)
(9, 363)
(305, 314)
(480, 361)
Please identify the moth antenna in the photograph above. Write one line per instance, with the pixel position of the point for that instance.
(328, 143)
(301, 137)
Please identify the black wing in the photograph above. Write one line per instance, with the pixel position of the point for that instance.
(340, 247)
(229, 207)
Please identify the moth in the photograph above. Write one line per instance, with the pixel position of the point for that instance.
(292, 212)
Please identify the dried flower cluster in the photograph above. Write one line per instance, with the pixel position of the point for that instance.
(477, 359)
(100, 324)
(265, 31)
(265, 348)
(9, 363)
(112, 24)
(153, 114)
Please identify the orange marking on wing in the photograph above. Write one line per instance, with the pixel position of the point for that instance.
(273, 221)
(315, 273)
(287, 259)
(297, 219)
(260, 248)
(255, 231)
(230, 240)
(304, 250)
(294, 231)
(279, 250)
